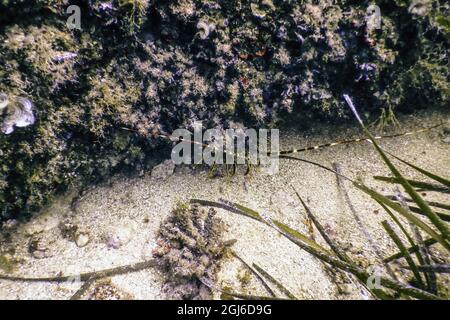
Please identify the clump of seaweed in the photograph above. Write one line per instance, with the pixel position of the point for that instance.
(189, 251)
(49, 53)
(7, 262)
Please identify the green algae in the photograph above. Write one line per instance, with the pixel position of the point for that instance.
(7, 263)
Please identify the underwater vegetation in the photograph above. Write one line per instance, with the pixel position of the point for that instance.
(190, 248)
(87, 103)
(190, 244)
(424, 264)
(189, 251)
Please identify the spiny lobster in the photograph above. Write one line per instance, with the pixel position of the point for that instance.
(303, 149)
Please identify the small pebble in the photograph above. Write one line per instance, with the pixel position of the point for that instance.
(164, 170)
(82, 239)
(345, 289)
(39, 248)
(119, 236)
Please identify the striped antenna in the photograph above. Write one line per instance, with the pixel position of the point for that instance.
(316, 147)
(340, 142)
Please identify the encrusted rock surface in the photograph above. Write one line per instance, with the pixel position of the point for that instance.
(141, 67)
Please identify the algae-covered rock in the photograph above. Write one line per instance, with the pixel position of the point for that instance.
(102, 93)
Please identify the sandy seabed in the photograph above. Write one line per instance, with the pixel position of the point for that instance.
(128, 211)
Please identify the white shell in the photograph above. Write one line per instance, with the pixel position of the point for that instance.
(19, 114)
(205, 29)
(3, 101)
